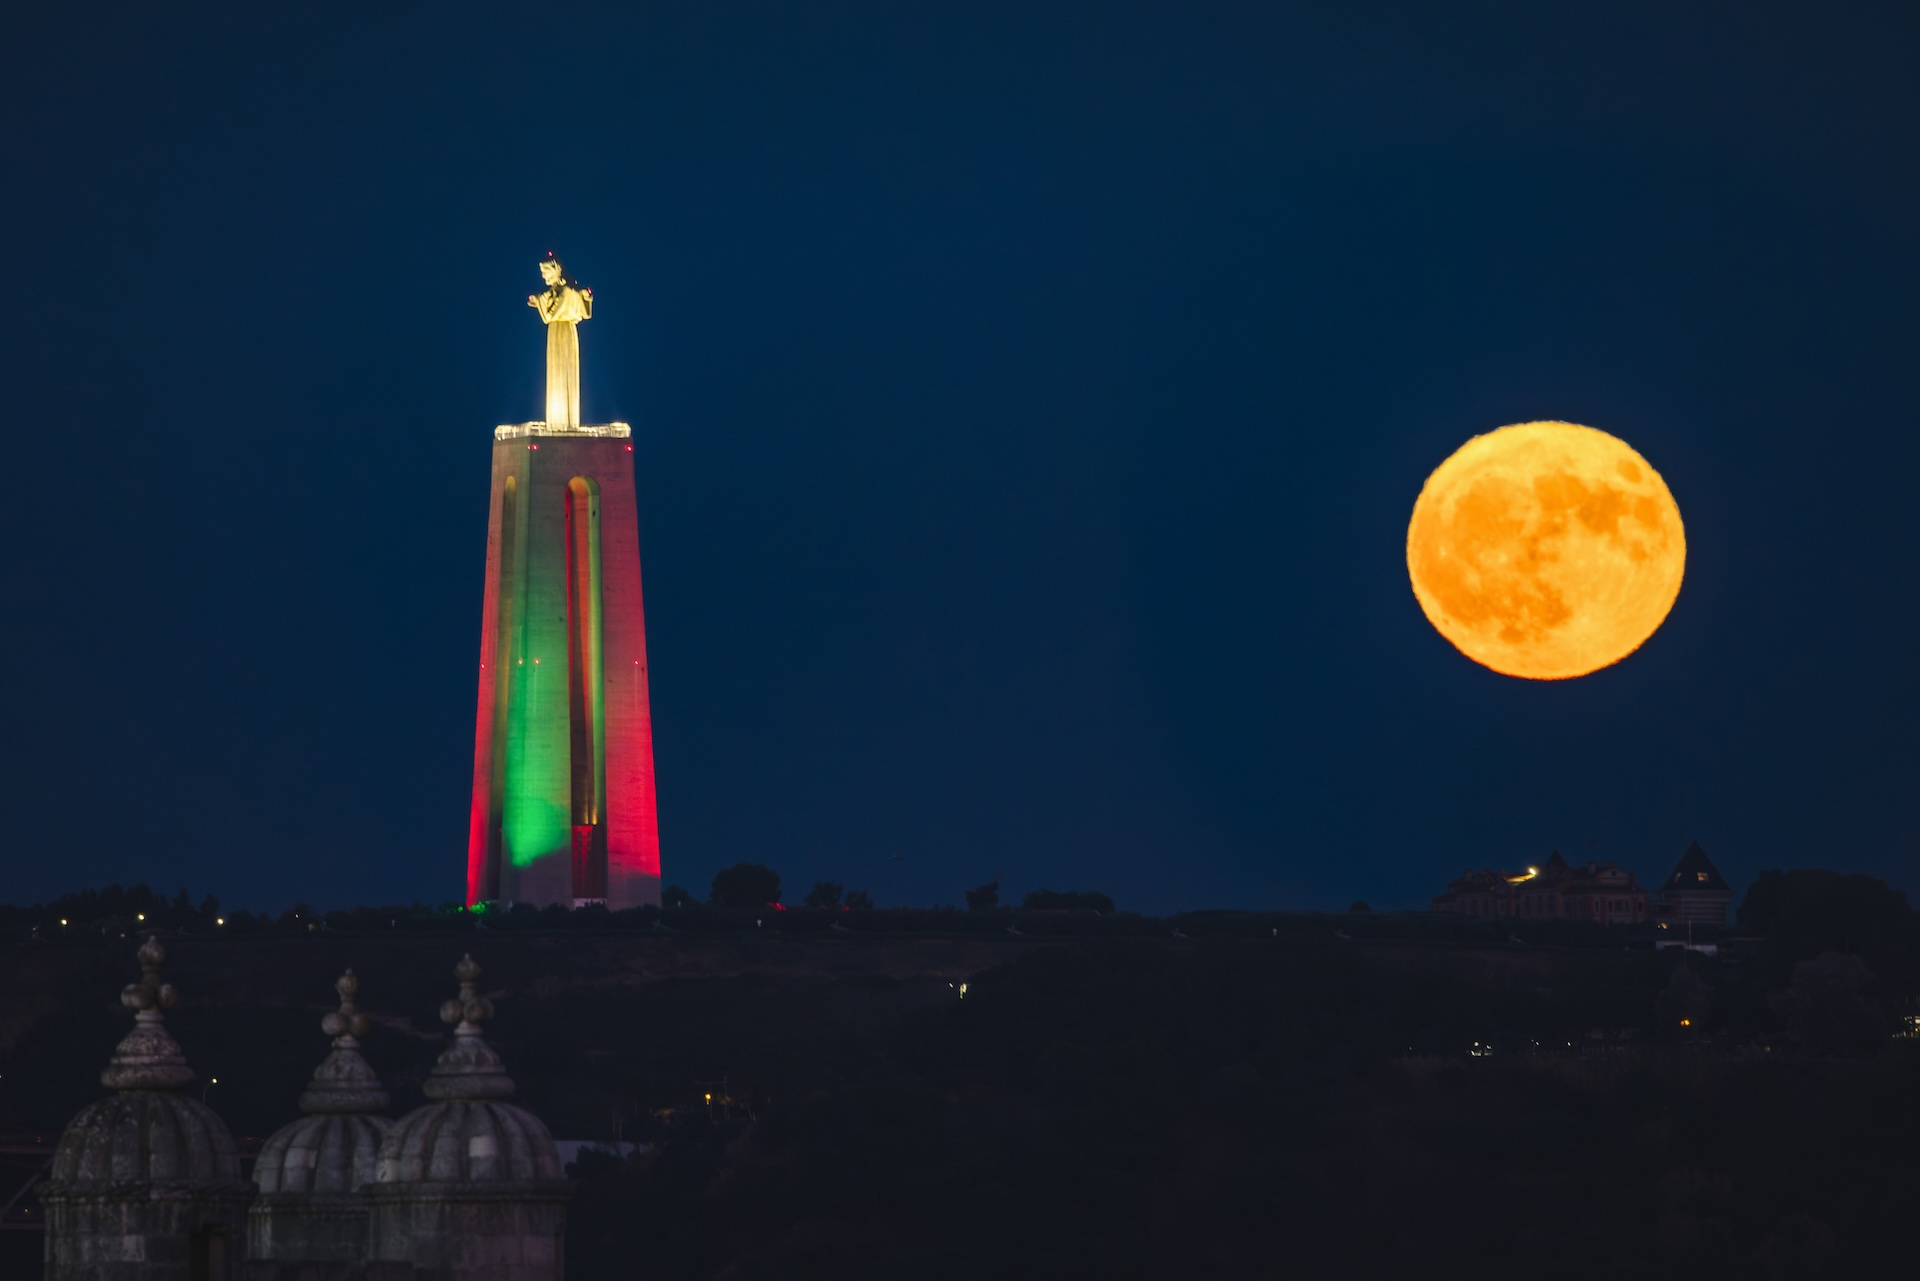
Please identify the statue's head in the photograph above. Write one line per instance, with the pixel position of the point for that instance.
(551, 271)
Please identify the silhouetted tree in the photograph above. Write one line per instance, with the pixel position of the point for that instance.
(857, 901)
(745, 885)
(1360, 905)
(1808, 911)
(824, 894)
(1686, 1000)
(984, 898)
(675, 896)
(1827, 1006)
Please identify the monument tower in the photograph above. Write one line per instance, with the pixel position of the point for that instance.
(563, 803)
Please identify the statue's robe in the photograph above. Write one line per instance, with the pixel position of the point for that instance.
(563, 307)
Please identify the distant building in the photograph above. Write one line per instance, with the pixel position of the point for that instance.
(1696, 892)
(1555, 890)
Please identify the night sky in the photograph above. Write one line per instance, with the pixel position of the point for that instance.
(1028, 402)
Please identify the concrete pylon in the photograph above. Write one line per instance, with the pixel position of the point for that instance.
(563, 795)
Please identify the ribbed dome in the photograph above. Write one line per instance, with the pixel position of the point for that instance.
(336, 1147)
(468, 1141)
(147, 1132)
(146, 1136)
(321, 1154)
(470, 1134)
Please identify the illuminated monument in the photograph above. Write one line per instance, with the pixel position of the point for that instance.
(563, 808)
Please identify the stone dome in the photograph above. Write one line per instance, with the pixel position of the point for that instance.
(147, 1132)
(321, 1154)
(146, 1136)
(470, 1134)
(336, 1146)
(469, 1141)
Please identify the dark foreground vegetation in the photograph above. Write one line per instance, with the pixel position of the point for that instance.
(1218, 1095)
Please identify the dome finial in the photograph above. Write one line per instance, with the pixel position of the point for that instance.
(467, 1069)
(148, 1058)
(347, 1022)
(344, 1083)
(150, 995)
(467, 1011)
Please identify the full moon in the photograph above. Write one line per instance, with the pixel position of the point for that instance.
(1546, 550)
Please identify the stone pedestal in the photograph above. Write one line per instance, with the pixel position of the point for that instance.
(563, 792)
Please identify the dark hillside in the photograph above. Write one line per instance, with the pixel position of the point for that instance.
(1353, 1099)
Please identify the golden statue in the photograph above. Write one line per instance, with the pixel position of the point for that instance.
(564, 305)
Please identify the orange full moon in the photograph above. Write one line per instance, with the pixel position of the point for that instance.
(1546, 550)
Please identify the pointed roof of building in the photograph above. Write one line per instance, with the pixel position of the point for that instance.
(335, 1148)
(1696, 872)
(468, 1068)
(149, 1058)
(345, 1083)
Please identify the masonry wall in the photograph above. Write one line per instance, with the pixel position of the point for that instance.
(147, 1233)
(468, 1232)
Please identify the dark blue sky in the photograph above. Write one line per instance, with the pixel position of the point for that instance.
(1028, 400)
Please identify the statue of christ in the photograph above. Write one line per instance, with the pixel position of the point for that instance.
(564, 305)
